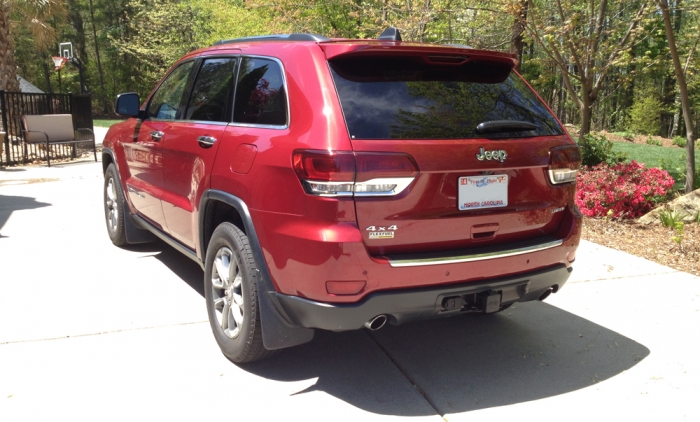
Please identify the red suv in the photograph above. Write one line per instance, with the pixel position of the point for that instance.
(334, 184)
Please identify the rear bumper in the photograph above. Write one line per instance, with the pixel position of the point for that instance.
(303, 254)
(401, 306)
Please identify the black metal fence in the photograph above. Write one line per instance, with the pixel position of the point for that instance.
(13, 105)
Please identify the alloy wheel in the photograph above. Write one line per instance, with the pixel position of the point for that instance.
(112, 205)
(226, 281)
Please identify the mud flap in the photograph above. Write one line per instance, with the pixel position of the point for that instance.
(134, 235)
(278, 333)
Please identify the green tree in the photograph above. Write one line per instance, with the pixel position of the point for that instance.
(33, 14)
(156, 34)
(645, 115)
(586, 40)
(685, 100)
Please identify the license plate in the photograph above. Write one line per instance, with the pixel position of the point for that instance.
(475, 192)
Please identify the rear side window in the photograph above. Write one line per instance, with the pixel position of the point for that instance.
(212, 90)
(260, 94)
(166, 101)
(402, 98)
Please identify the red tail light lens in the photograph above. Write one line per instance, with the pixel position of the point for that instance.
(329, 173)
(324, 166)
(564, 163)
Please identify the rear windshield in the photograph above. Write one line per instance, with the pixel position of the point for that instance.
(400, 98)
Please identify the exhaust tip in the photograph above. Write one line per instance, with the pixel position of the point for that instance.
(376, 323)
(546, 294)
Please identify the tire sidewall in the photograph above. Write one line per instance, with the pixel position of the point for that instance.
(118, 235)
(233, 348)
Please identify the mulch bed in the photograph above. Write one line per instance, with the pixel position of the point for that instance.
(653, 242)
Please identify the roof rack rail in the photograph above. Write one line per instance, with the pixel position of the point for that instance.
(280, 37)
(459, 45)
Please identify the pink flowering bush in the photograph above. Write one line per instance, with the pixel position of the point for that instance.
(625, 190)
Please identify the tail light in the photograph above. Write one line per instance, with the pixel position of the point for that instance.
(329, 173)
(325, 173)
(564, 163)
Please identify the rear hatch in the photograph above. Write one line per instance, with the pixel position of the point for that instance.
(474, 186)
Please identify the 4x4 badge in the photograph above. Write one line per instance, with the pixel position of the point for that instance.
(497, 154)
(379, 232)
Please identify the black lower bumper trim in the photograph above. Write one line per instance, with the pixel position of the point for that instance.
(401, 306)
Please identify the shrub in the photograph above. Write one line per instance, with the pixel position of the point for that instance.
(624, 190)
(674, 220)
(626, 135)
(671, 218)
(679, 169)
(645, 114)
(679, 141)
(652, 141)
(596, 149)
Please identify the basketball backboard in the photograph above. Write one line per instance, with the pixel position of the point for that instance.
(65, 49)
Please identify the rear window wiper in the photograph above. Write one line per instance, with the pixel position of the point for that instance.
(500, 126)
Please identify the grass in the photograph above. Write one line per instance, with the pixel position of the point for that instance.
(105, 123)
(652, 156)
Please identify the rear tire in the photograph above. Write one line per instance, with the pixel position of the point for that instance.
(231, 294)
(114, 207)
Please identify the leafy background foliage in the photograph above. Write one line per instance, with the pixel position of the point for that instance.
(580, 56)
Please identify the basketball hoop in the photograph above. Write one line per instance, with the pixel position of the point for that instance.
(59, 62)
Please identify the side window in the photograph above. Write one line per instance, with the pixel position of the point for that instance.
(260, 93)
(166, 100)
(212, 90)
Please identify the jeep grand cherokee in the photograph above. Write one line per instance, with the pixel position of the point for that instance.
(334, 184)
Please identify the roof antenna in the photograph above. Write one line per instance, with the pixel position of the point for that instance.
(390, 34)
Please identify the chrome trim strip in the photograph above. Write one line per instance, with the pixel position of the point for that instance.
(307, 188)
(199, 122)
(474, 257)
(253, 125)
(240, 56)
(400, 182)
(143, 224)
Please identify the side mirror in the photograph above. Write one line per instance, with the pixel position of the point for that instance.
(127, 104)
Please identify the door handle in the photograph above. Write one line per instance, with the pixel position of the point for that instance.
(157, 135)
(206, 141)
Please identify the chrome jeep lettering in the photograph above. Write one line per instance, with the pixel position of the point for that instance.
(498, 154)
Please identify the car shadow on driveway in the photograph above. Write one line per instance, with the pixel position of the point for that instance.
(462, 363)
(184, 268)
(531, 351)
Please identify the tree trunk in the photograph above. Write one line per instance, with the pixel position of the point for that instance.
(99, 62)
(8, 68)
(516, 40)
(586, 114)
(47, 77)
(561, 99)
(685, 101)
(669, 97)
(76, 21)
(676, 116)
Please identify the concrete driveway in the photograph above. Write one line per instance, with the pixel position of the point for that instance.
(89, 331)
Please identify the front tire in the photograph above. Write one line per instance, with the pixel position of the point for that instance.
(230, 291)
(114, 206)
